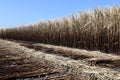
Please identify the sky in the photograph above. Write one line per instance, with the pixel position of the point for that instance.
(21, 12)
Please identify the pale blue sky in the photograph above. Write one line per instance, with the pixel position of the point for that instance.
(19, 12)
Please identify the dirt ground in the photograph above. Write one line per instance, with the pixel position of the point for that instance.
(25, 60)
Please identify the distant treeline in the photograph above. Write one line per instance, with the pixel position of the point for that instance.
(92, 30)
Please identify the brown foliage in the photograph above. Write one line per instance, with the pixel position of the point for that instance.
(97, 30)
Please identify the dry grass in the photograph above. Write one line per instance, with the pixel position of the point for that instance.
(21, 62)
(97, 30)
(88, 57)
